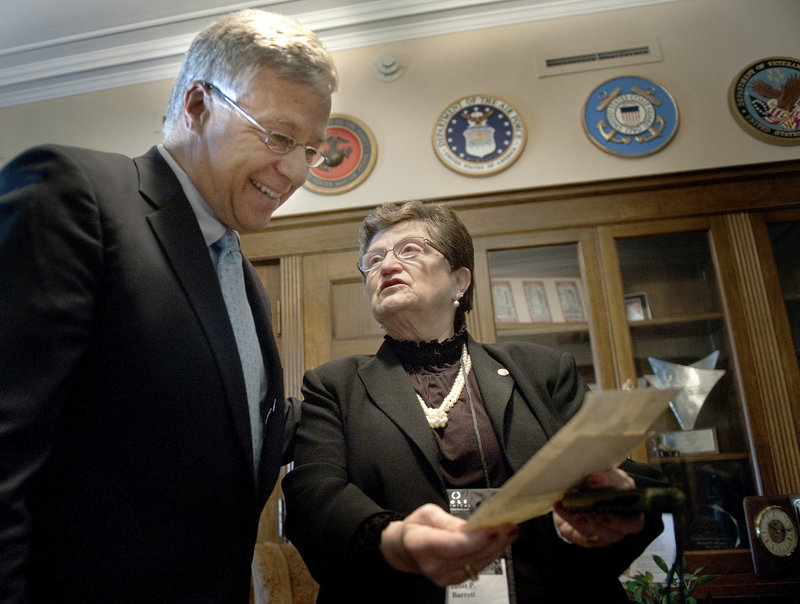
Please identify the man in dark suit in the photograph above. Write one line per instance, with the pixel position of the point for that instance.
(137, 443)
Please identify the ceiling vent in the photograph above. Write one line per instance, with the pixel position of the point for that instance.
(617, 55)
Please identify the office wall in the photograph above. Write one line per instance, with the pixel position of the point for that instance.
(703, 43)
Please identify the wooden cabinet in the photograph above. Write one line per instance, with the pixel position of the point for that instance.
(681, 269)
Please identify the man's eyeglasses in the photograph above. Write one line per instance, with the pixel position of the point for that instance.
(406, 249)
(275, 141)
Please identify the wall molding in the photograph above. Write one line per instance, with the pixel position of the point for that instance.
(152, 50)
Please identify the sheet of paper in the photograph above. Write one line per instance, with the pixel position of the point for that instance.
(607, 427)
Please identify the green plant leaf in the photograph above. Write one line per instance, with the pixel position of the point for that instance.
(704, 579)
(643, 590)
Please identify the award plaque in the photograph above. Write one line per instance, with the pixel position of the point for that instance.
(695, 382)
(715, 519)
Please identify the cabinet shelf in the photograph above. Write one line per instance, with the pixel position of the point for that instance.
(695, 457)
(527, 329)
(666, 325)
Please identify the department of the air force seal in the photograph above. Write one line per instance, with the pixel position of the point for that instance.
(479, 135)
(765, 98)
(351, 152)
(630, 117)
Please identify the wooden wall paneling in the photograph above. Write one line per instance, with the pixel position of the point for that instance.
(291, 325)
(775, 295)
(336, 315)
(480, 320)
(624, 365)
(317, 320)
(741, 350)
(305, 234)
(604, 358)
(775, 400)
(716, 191)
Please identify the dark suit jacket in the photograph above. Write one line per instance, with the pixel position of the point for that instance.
(126, 470)
(364, 447)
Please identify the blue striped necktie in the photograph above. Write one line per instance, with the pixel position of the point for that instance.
(231, 279)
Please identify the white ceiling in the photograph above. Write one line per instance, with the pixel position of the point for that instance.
(53, 48)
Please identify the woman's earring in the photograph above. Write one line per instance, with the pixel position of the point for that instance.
(456, 302)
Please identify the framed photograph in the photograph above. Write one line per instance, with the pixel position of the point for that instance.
(637, 307)
(570, 298)
(536, 299)
(505, 311)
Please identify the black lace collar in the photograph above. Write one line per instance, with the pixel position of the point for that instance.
(417, 356)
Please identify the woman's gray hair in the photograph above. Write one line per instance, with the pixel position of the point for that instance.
(445, 228)
(229, 52)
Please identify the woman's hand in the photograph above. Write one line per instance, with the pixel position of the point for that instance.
(599, 530)
(432, 543)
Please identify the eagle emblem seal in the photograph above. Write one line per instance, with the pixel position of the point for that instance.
(350, 151)
(765, 100)
(479, 135)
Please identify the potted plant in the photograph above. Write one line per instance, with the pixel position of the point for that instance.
(678, 589)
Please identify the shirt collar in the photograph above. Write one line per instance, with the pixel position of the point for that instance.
(210, 225)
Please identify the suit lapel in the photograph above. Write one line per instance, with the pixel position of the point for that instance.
(521, 420)
(175, 227)
(495, 383)
(390, 389)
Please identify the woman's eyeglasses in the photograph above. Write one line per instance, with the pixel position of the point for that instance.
(275, 141)
(406, 249)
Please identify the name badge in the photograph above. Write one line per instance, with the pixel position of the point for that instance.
(495, 583)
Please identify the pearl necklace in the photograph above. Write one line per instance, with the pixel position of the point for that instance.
(437, 416)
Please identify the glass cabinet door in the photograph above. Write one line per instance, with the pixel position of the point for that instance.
(675, 316)
(542, 292)
(785, 239)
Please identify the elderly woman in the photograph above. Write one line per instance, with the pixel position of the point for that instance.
(383, 437)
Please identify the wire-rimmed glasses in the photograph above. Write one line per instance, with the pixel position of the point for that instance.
(275, 141)
(405, 249)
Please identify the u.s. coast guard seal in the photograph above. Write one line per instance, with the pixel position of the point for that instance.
(630, 117)
(479, 135)
(765, 98)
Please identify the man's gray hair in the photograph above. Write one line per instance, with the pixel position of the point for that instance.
(229, 52)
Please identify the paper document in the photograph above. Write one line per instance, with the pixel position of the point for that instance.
(600, 436)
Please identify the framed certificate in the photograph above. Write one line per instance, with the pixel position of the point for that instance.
(505, 311)
(570, 298)
(536, 298)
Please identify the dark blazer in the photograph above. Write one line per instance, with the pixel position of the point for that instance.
(364, 447)
(126, 470)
